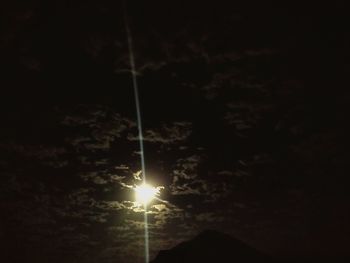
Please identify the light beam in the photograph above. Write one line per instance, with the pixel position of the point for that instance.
(139, 122)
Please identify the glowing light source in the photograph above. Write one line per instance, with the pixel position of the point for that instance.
(145, 193)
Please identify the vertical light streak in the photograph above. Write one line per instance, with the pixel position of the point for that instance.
(139, 122)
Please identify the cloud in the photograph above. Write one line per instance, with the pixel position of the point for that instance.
(122, 167)
(209, 217)
(48, 155)
(185, 181)
(246, 115)
(164, 214)
(195, 187)
(186, 167)
(98, 127)
(209, 187)
(102, 177)
(137, 175)
(167, 134)
(111, 205)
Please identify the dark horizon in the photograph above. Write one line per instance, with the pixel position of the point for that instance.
(244, 107)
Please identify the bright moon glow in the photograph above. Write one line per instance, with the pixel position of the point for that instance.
(145, 193)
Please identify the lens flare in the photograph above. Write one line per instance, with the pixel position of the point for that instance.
(140, 194)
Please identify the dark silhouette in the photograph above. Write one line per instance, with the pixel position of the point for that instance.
(211, 246)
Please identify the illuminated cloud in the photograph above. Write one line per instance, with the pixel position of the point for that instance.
(167, 134)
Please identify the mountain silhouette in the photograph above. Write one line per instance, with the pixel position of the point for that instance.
(211, 246)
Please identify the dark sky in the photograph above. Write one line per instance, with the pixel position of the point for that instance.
(244, 109)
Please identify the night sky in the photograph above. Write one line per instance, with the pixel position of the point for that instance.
(244, 107)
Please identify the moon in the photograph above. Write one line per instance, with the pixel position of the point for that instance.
(145, 193)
